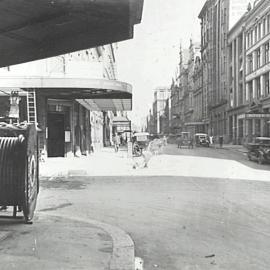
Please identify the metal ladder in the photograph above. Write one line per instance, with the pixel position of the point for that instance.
(31, 106)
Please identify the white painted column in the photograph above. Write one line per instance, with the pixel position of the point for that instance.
(254, 88)
(262, 85)
(254, 58)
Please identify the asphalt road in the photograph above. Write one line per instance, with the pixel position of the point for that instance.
(178, 222)
(184, 221)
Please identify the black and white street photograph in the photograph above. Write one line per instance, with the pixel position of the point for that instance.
(134, 135)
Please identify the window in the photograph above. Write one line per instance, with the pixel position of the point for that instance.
(258, 87)
(249, 63)
(256, 34)
(266, 55)
(250, 92)
(258, 58)
(266, 83)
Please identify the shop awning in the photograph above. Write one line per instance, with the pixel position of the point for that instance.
(36, 29)
(194, 123)
(121, 121)
(94, 94)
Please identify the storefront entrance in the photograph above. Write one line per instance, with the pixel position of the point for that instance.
(56, 135)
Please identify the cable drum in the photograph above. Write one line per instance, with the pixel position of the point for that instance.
(19, 170)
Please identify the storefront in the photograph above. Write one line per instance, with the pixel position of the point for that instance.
(254, 125)
(71, 113)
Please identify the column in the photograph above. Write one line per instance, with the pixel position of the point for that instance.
(254, 88)
(254, 60)
(262, 82)
(262, 127)
(247, 92)
(236, 129)
(236, 74)
(253, 127)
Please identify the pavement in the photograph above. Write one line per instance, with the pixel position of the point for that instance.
(60, 241)
(108, 163)
(101, 245)
(235, 147)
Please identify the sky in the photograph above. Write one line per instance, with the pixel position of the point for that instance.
(150, 59)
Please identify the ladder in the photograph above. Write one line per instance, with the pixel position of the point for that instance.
(31, 106)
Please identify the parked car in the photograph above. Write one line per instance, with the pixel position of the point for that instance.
(259, 150)
(184, 139)
(202, 139)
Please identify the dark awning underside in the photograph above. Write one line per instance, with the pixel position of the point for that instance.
(35, 29)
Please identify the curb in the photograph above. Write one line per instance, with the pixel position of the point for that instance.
(123, 254)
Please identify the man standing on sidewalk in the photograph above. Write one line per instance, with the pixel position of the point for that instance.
(116, 142)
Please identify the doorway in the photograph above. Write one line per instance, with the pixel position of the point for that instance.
(56, 135)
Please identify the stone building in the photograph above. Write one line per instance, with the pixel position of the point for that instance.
(161, 94)
(257, 92)
(237, 104)
(217, 17)
(55, 95)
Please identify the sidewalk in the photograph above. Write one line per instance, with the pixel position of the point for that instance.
(61, 240)
(105, 162)
(237, 148)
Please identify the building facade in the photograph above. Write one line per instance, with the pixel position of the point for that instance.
(161, 94)
(70, 97)
(217, 17)
(237, 104)
(257, 68)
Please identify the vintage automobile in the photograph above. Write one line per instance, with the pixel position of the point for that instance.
(140, 142)
(202, 139)
(184, 139)
(259, 150)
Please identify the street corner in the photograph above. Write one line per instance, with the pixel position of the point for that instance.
(118, 246)
(53, 242)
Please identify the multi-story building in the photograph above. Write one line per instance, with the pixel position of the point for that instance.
(179, 94)
(55, 95)
(257, 68)
(189, 87)
(161, 94)
(249, 97)
(165, 118)
(237, 104)
(217, 16)
(198, 97)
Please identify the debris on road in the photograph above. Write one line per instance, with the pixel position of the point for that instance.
(210, 256)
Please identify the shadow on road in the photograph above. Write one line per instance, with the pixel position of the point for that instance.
(212, 152)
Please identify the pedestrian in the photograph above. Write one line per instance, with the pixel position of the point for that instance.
(116, 142)
(220, 139)
(211, 139)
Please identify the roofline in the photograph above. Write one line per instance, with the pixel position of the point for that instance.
(203, 9)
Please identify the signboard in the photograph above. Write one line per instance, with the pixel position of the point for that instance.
(254, 116)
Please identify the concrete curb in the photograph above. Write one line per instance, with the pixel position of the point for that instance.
(123, 254)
